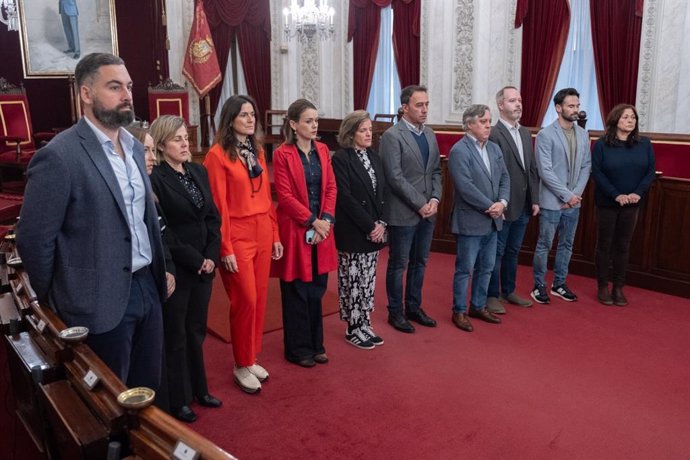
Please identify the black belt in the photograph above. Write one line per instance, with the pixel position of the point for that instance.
(142, 271)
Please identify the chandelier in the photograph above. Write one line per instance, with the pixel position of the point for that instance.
(307, 21)
(8, 14)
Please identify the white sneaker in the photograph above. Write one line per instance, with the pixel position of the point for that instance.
(259, 372)
(246, 380)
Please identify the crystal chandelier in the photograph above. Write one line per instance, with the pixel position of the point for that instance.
(8, 14)
(309, 20)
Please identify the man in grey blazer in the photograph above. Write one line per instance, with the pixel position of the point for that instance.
(564, 164)
(89, 235)
(482, 189)
(515, 142)
(411, 163)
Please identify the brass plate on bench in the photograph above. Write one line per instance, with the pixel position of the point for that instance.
(136, 398)
(74, 334)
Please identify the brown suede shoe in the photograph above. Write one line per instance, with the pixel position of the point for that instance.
(618, 296)
(604, 295)
(515, 299)
(484, 316)
(462, 322)
(495, 306)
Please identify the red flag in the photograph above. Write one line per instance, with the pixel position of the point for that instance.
(200, 62)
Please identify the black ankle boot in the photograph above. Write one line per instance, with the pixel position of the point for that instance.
(618, 296)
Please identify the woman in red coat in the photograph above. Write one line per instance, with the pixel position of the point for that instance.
(241, 189)
(306, 190)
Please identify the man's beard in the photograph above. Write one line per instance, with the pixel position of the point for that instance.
(114, 118)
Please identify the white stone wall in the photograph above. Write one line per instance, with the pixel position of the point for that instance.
(469, 50)
(663, 85)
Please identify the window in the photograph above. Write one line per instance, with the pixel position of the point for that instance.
(577, 68)
(384, 96)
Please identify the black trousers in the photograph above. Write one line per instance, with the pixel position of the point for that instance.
(302, 315)
(185, 315)
(615, 232)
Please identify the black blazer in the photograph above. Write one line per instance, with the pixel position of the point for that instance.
(358, 207)
(195, 232)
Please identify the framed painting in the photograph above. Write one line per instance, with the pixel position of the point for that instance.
(56, 33)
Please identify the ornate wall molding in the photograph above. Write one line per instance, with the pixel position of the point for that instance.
(310, 68)
(645, 75)
(511, 51)
(462, 63)
(276, 65)
(347, 100)
(424, 44)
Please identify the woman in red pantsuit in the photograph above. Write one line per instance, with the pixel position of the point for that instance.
(241, 189)
(306, 191)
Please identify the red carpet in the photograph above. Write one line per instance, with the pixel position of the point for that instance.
(566, 380)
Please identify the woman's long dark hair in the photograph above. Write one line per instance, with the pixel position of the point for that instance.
(612, 126)
(226, 134)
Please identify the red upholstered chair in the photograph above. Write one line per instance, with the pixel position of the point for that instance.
(18, 142)
(168, 98)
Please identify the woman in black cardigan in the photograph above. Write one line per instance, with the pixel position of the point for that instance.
(184, 195)
(360, 226)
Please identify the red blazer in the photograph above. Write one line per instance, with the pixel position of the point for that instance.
(293, 212)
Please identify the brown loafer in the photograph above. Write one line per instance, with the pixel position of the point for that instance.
(462, 322)
(484, 316)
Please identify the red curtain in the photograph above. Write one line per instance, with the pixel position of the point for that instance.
(364, 27)
(406, 19)
(250, 21)
(616, 32)
(544, 34)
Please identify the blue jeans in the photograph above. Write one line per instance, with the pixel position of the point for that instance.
(508, 244)
(565, 222)
(474, 255)
(409, 249)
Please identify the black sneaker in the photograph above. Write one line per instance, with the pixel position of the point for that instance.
(564, 293)
(359, 339)
(373, 338)
(539, 294)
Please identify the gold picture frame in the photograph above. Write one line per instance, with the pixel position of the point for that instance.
(46, 27)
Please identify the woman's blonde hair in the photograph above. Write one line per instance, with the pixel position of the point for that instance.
(162, 130)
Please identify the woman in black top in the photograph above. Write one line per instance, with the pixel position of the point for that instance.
(184, 195)
(360, 226)
(623, 169)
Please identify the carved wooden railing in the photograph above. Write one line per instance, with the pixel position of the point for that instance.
(64, 411)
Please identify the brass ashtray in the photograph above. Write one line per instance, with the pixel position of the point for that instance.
(136, 398)
(74, 334)
(14, 262)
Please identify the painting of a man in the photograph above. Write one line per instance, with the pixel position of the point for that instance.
(70, 23)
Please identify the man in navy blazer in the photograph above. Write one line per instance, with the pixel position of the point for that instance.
(482, 189)
(89, 235)
(411, 163)
(564, 164)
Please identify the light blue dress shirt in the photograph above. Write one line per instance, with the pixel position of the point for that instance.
(133, 192)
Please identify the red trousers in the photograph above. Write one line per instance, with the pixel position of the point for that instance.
(252, 241)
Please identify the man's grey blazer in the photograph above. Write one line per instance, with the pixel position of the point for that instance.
(411, 184)
(475, 189)
(552, 154)
(73, 235)
(524, 180)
